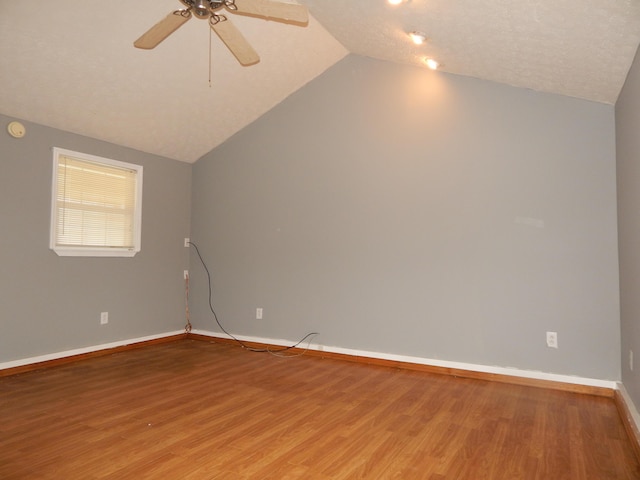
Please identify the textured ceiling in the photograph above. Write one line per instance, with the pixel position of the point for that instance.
(70, 64)
(579, 48)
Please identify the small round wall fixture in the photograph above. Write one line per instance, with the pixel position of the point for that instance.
(16, 129)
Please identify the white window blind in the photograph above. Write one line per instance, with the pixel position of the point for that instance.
(95, 206)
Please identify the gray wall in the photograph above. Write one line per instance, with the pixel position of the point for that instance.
(397, 210)
(628, 153)
(49, 303)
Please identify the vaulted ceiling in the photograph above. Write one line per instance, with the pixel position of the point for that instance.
(71, 64)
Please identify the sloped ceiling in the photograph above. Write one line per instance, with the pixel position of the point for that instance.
(70, 64)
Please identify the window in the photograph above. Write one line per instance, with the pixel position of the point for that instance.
(96, 206)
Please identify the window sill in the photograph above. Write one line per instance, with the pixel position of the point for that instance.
(94, 252)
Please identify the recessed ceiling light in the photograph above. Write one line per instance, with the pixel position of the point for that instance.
(396, 2)
(418, 38)
(431, 63)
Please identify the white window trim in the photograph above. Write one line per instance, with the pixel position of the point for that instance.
(92, 251)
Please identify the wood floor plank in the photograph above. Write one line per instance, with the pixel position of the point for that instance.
(199, 410)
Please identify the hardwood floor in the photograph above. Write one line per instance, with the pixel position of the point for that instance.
(197, 410)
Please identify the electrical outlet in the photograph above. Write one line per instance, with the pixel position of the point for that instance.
(104, 318)
(552, 339)
(631, 360)
(186, 242)
(258, 314)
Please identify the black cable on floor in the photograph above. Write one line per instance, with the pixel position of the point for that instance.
(240, 342)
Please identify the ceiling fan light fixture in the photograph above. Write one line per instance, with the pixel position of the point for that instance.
(418, 37)
(201, 9)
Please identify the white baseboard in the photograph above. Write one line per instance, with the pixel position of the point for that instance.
(80, 351)
(514, 372)
(633, 411)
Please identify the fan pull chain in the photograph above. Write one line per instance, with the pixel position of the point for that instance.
(210, 57)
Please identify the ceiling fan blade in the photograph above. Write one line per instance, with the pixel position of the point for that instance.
(276, 10)
(235, 41)
(161, 30)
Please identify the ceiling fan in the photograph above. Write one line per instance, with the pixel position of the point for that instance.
(211, 9)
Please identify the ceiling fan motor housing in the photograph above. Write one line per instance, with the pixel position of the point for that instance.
(201, 9)
(204, 8)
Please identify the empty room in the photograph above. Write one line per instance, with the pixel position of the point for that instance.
(313, 239)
